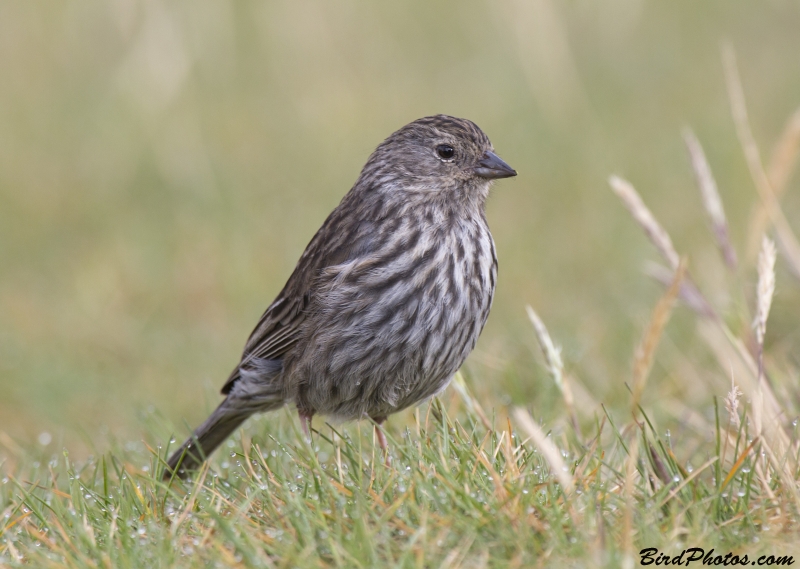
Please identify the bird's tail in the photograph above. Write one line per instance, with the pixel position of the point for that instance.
(206, 438)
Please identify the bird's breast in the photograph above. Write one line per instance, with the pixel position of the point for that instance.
(390, 328)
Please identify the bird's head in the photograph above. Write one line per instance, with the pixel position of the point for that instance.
(436, 156)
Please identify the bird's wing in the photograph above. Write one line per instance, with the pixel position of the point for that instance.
(340, 239)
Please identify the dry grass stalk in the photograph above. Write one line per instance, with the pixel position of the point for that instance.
(711, 199)
(689, 293)
(552, 354)
(764, 293)
(657, 235)
(643, 360)
(780, 170)
(789, 244)
(784, 156)
(738, 464)
(555, 365)
(767, 419)
(551, 454)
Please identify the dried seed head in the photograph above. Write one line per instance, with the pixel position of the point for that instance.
(710, 195)
(657, 235)
(732, 403)
(766, 287)
(552, 353)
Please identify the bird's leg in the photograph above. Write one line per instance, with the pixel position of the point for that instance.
(382, 442)
(305, 422)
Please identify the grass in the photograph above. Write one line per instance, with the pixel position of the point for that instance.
(146, 214)
(458, 494)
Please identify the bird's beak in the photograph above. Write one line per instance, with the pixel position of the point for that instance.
(491, 166)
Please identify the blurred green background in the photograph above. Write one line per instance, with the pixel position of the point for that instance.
(163, 165)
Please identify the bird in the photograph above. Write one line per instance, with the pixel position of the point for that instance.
(388, 298)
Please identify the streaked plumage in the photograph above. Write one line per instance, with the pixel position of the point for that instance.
(388, 298)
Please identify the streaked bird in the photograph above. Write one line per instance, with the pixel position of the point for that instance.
(388, 298)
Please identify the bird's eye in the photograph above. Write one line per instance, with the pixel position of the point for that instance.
(445, 151)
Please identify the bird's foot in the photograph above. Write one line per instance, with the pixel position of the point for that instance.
(305, 423)
(382, 442)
